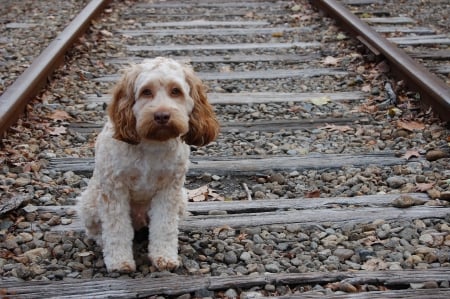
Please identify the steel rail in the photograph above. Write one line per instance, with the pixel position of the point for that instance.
(14, 100)
(433, 90)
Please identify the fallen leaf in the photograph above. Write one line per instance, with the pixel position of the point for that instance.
(217, 230)
(296, 8)
(334, 286)
(341, 36)
(277, 34)
(410, 154)
(106, 33)
(320, 101)
(313, 194)
(225, 69)
(59, 115)
(423, 187)
(6, 254)
(374, 264)
(336, 128)
(330, 60)
(370, 240)
(250, 14)
(204, 193)
(383, 67)
(214, 196)
(394, 111)
(367, 108)
(366, 88)
(85, 253)
(296, 109)
(410, 125)
(57, 131)
(199, 194)
(242, 236)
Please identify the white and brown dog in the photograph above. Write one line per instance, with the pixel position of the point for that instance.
(158, 109)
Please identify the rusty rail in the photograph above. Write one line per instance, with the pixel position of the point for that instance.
(29, 84)
(433, 91)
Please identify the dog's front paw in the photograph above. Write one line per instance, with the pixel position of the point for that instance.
(164, 263)
(121, 267)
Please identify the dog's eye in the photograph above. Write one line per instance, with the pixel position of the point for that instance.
(147, 92)
(176, 92)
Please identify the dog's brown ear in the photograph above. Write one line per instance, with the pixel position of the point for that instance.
(120, 110)
(203, 125)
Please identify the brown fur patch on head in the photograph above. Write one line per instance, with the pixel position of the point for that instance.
(203, 125)
(120, 110)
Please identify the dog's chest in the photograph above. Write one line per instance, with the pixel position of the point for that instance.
(145, 184)
(153, 174)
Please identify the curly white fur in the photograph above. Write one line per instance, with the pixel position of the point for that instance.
(142, 156)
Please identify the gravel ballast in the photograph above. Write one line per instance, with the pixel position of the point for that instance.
(32, 248)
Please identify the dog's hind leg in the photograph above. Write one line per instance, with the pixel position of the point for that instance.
(87, 209)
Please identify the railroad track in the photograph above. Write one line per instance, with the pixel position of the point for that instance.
(326, 179)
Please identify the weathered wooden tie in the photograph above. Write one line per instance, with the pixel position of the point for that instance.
(270, 74)
(253, 165)
(242, 98)
(174, 285)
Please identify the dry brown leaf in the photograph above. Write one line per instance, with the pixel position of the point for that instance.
(370, 240)
(199, 194)
(410, 125)
(410, 154)
(296, 109)
(334, 286)
(367, 108)
(217, 230)
(57, 131)
(336, 128)
(215, 196)
(250, 14)
(374, 264)
(277, 34)
(242, 236)
(225, 69)
(59, 115)
(330, 60)
(366, 88)
(320, 101)
(85, 253)
(204, 193)
(106, 33)
(313, 194)
(6, 254)
(383, 67)
(423, 187)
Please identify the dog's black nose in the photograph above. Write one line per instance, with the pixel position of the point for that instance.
(162, 117)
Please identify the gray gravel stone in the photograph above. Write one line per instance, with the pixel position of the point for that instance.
(273, 267)
(230, 257)
(396, 182)
(343, 253)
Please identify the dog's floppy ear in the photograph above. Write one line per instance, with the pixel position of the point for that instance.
(120, 110)
(203, 125)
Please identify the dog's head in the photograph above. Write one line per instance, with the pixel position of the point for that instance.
(162, 99)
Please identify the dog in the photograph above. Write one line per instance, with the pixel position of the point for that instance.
(158, 109)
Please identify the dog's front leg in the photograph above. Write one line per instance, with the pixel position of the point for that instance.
(163, 235)
(117, 231)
